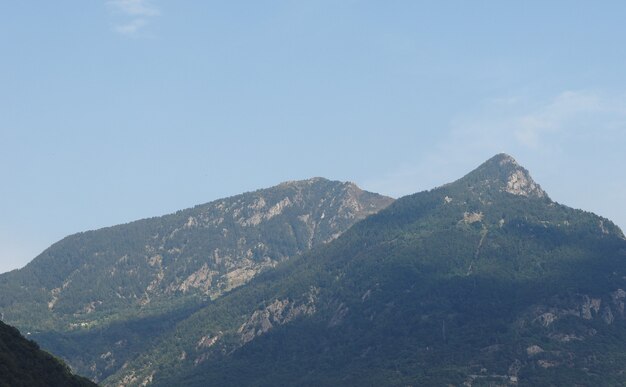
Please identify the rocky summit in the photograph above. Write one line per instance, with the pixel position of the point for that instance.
(502, 173)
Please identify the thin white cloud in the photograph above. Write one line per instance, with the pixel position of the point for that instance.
(572, 143)
(568, 119)
(569, 113)
(130, 28)
(140, 13)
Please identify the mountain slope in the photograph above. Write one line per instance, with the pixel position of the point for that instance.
(484, 280)
(98, 298)
(22, 363)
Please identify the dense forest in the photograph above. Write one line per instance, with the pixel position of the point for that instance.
(22, 363)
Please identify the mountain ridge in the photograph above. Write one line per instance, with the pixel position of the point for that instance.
(167, 266)
(434, 289)
(482, 280)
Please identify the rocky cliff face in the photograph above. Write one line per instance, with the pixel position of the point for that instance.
(502, 173)
(205, 251)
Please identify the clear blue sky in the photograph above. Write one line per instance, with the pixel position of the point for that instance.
(112, 111)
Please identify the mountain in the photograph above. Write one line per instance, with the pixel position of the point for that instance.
(484, 281)
(22, 363)
(98, 298)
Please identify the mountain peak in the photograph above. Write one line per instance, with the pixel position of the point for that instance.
(304, 182)
(504, 159)
(299, 184)
(504, 173)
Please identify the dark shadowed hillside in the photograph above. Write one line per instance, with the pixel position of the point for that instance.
(22, 363)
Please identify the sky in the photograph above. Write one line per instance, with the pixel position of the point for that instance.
(116, 110)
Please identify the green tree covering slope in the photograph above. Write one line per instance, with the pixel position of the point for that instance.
(22, 363)
(484, 281)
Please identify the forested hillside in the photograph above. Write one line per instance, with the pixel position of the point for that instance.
(22, 363)
(99, 298)
(483, 281)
